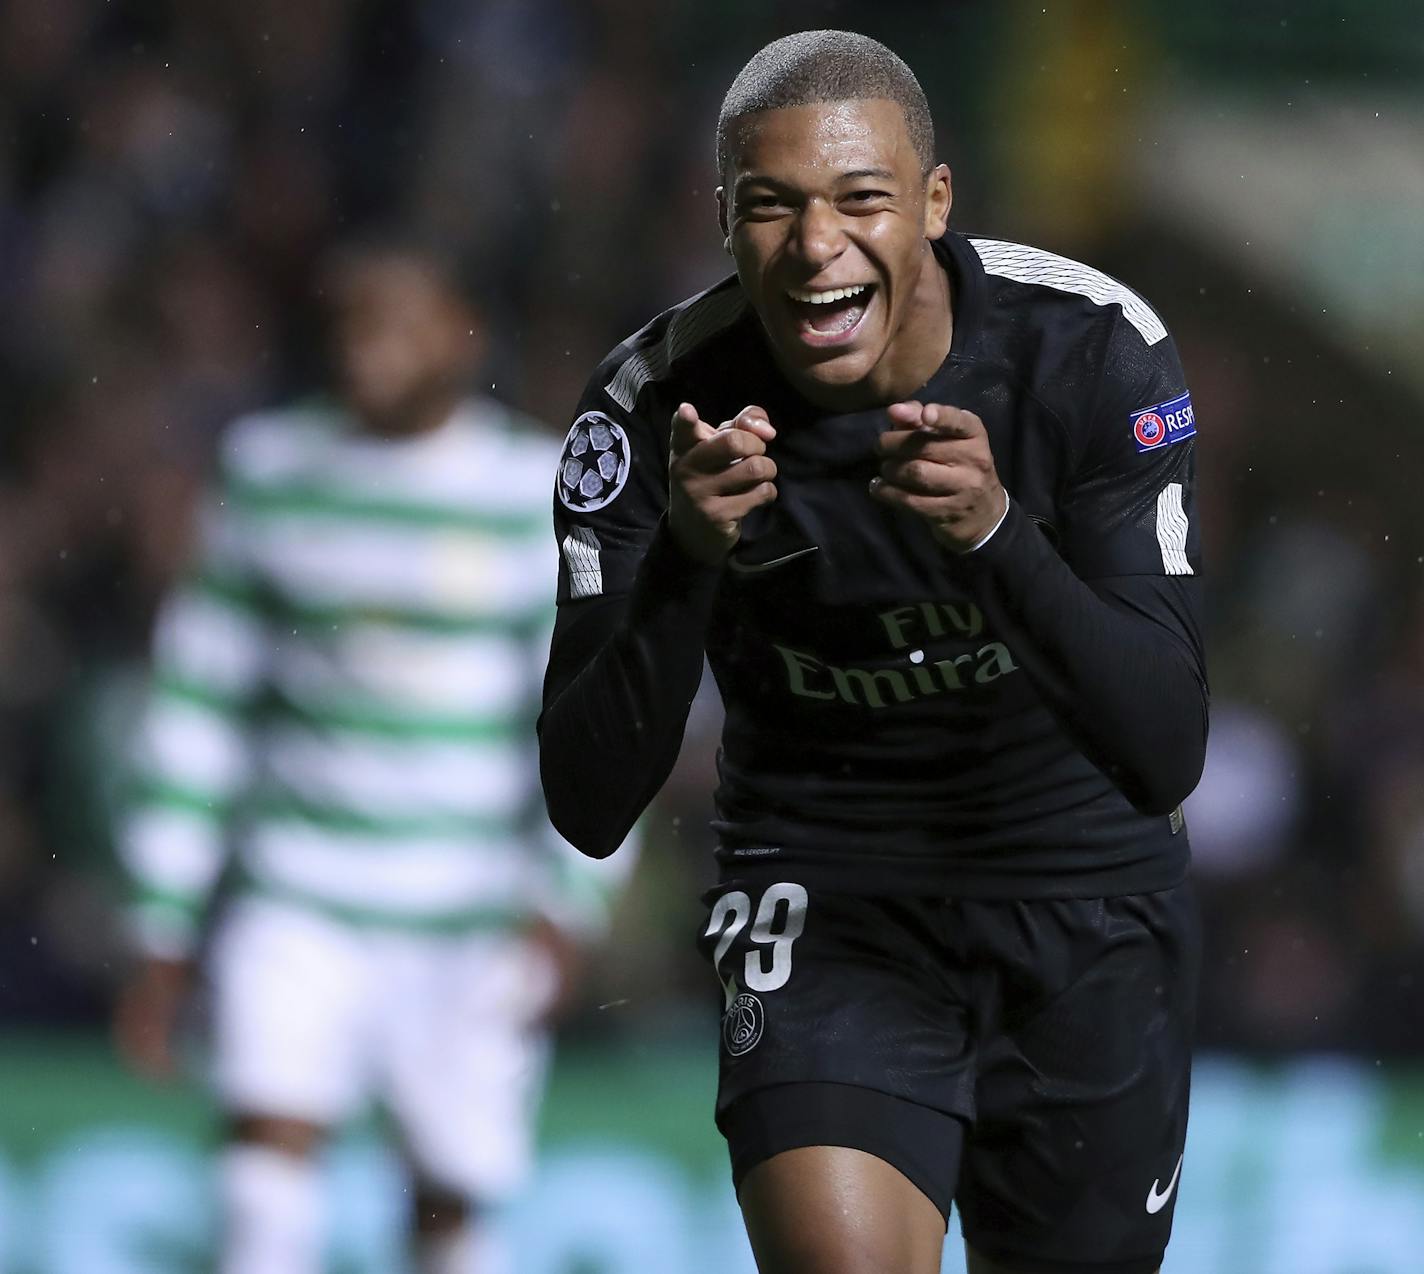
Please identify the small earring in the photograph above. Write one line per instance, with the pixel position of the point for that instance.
(727, 245)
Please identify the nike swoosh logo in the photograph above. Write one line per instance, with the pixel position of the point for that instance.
(1156, 1202)
(756, 568)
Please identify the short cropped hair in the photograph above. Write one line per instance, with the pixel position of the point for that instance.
(826, 66)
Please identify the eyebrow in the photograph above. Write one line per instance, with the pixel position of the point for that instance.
(855, 174)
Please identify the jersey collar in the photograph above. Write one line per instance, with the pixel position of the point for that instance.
(966, 289)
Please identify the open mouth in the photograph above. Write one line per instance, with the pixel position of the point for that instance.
(829, 316)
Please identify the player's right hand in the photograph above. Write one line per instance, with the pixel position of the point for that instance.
(146, 1016)
(715, 478)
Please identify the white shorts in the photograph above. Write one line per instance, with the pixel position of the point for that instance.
(314, 1018)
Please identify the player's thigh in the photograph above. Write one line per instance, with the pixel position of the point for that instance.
(1078, 1143)
(464, 1055)
(835, 1210)
(289, 1007)
(842, 1025)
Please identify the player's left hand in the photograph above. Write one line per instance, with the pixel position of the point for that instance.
(938, 465)
(146, 1016)
(564, 956)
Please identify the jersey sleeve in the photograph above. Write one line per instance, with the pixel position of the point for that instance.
(1107, 622)
(610, 489)
(626, 656)
(1130, 506)
(575, 893)
(193, 753)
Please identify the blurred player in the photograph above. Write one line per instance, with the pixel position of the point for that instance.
(926, 503)
(344, 695)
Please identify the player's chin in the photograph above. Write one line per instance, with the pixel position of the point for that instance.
(838, 370)
(840, 363)
(383, 407)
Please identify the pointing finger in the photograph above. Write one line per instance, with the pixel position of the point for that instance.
(727, 447)
(688, 429)
(950, 422)
(920, 442)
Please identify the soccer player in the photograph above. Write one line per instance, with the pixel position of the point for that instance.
(345, 691)
(926, 504)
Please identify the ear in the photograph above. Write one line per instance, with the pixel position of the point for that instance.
(722, 209)
(939, 195)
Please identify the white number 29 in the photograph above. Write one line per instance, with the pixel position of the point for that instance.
(732, 910)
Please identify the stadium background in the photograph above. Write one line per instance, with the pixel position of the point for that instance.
(169, 172)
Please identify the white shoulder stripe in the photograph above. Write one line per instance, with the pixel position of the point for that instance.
(1172, 530)
(701, 320)
(1023, 264)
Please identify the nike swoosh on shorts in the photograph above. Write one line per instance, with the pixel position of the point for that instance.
(1156, 1202)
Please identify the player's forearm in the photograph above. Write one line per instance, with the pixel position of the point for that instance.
(620, 684)
(1119, 664)
(173, 857)
(193, 762)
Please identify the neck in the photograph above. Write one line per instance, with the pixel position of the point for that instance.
(920, 344)
(421, 416)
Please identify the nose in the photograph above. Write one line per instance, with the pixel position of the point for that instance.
(819, 238)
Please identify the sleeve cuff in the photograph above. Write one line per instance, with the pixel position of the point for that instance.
(1014, 554)
(993, 530)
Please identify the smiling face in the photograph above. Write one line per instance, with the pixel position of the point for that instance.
(830, 219)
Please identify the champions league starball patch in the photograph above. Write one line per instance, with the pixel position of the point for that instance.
(594, 466)
(1163, 423)
(742, 1024)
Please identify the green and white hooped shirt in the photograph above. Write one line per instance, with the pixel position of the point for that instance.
(345, 686)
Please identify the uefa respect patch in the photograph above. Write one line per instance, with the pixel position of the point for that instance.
(1162, 424)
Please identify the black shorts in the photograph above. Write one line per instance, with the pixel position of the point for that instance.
(1028, 1061)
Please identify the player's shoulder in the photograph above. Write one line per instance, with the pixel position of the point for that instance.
(619, 435)
(1048, 297)
(1083, 342)
(281, 443)
(493, 424)
(675, 348)
(509, 453)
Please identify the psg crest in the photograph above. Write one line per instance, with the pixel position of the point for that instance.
(742, 1024)
(594, 465)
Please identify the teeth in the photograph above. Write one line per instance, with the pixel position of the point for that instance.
(824, 298)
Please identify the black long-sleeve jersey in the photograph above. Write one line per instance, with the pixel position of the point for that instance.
(1019, 721)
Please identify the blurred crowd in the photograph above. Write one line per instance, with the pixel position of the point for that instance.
(169, 175)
